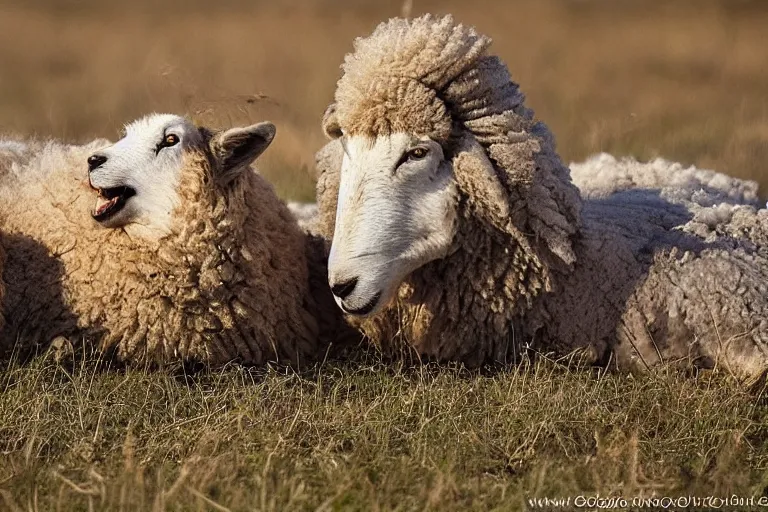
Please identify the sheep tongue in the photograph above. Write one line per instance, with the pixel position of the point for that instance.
(102, 205)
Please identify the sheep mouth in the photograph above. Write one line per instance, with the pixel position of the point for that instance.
(111, 201)
(366, 308)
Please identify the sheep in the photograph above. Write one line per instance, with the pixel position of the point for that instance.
(163, 247)
(458, 234)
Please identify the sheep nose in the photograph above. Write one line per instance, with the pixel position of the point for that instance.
(95, 161)
(343, 290)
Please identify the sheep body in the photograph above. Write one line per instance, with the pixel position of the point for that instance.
(631, 276)
(650, 285)
(228, 282)
(727, 242)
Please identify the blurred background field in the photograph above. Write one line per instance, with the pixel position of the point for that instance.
(684, 80)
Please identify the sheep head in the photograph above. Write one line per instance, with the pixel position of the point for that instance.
(396, 211)
(436, 143)
(137, 179)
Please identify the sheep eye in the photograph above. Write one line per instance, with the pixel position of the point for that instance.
(411, 155)
(417, 153)
(168, 141)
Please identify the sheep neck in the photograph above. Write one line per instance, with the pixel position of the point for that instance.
(466, 306)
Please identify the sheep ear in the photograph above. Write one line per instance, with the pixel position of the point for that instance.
(331, 125)
(236, 149)
(327, 169)
(476, 176)
(542, 192)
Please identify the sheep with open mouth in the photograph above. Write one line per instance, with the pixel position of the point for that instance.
(165, 245)
(457, 232)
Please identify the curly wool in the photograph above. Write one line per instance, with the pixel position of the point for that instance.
(304, 213)
(230, 282)
(711, 267)
(602, 175)
(653, 284)
(626, 278)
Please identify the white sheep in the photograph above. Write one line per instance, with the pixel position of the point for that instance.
(165, 245)
(457, 230)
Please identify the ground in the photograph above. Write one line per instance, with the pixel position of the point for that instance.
(369, 435)
(684, 80)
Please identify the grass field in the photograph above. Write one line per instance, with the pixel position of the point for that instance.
(684, 80)
(368, 436)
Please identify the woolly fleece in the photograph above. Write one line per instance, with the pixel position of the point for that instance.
(304, 213)
(626, 281)
(602, 175)
(230, 283)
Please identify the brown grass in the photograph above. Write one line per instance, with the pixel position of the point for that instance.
(364, 435)
(684, 80)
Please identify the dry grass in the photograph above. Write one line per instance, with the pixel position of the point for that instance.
(367, 436)
(684, 80)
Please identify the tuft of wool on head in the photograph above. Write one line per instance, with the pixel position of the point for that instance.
(430, 76)
(416, 75)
